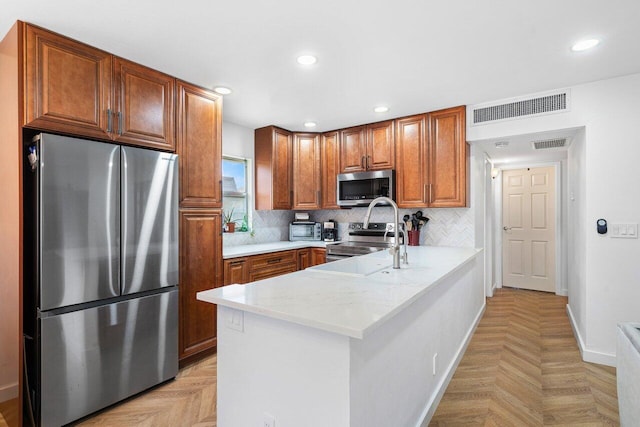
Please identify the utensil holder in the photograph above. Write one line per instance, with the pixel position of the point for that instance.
(414, 238)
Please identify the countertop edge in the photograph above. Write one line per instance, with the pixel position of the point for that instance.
(419, 295)
(332, 327)
(265, 248)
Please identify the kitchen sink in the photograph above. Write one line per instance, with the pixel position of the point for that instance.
(358, 266)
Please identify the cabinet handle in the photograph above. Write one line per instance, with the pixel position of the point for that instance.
(119, 123)
(424, 193)
(274, 261)
(109, 120)
(291, 197)
(368, 163)
(362, 165)
(236, 262)
(430, 193)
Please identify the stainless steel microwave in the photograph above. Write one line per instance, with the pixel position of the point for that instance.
(360, 188)
(305, 231)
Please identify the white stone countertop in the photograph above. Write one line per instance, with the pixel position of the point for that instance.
(345, 304)
(264, 248)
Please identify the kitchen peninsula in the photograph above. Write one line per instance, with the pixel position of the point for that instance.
(330, 345)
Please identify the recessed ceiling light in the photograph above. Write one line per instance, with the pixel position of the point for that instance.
(310, 124)
(381, 109)
(221, 90)
(584, 45)
(307, 59)
(502, 144)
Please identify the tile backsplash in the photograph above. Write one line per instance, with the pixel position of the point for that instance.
(446, 227)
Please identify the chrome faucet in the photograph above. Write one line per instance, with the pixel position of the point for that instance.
(395, 249)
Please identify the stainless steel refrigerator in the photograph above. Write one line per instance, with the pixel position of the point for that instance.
(100, 274)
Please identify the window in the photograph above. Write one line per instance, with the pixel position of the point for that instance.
(235, 191)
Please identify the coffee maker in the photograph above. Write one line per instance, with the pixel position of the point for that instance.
(330, 231)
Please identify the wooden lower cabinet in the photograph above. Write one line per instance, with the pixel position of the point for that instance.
(236, 271)
(258, 267)
(200, 269)
(272, 264)
(304, 258)
(318, 256)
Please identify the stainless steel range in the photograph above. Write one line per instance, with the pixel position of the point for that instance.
(361, 241)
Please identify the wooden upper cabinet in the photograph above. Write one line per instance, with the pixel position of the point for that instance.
(411, 159)
(380, 146)
(67, 85)
(353, 148)
(76, 89)
(448, 157)
(370, 147)
(199, 146)
(273, 168)
(306, 171)
(145, 113)
(330, 167)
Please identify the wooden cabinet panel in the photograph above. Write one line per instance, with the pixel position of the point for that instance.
(304, 258)
(318, 256)
(448, 158)
(273, 259)
(353, 149)
(236, 271)
(200, 269)
(199, 146)
(306, 171)
(370, 147)
(330, 168)
(273, 168)
(67, 85)
(145, 100)
(380, 146)
(411, 158)
(272, 272)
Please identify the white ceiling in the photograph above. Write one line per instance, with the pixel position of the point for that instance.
(412, 55)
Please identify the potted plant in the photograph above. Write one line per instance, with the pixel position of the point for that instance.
(229, 222)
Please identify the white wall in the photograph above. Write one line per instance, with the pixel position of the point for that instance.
(237, 140)
(576, 239)
(609, 110)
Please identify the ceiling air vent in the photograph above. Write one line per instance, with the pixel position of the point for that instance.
(522, 107)
(549, 143)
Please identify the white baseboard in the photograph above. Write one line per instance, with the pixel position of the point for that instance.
(562, 292)
(589, 355)
(8, 392)
(432, 405)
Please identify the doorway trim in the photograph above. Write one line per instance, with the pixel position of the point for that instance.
(561, 289)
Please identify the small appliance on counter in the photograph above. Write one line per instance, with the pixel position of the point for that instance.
(302, 228)
(330, 231)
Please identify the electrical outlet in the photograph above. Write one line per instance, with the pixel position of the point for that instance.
(269, 420)
(236, 320)
(435, 363)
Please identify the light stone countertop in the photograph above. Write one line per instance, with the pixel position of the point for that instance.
(264, 248)
(345, 304)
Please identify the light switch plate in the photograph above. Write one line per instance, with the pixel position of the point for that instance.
(624, 230)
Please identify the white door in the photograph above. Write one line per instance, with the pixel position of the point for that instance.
(529, 228)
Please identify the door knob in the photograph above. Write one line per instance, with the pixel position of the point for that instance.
(505, 228)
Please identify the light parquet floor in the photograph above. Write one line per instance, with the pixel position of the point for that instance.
(189, 400)
(523, 368)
